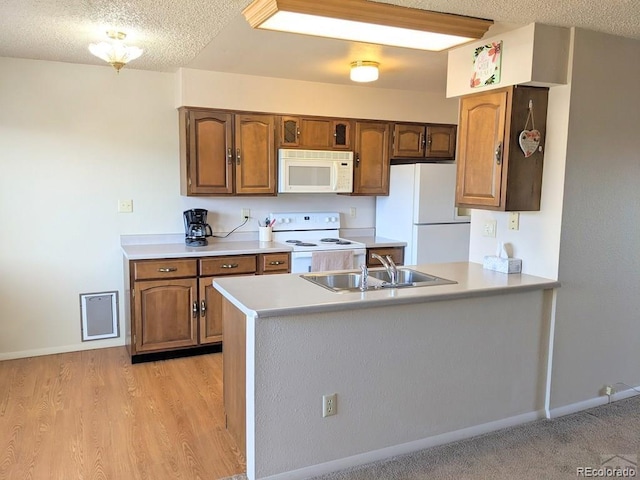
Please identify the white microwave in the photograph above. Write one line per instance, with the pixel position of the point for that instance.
(314, 171)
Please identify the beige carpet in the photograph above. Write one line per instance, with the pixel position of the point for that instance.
(540, 450)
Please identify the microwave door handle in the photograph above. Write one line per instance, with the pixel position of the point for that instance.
(334, 187)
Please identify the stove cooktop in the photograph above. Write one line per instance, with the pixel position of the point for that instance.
(308, 231)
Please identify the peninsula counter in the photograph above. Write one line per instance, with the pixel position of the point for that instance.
(412, 367)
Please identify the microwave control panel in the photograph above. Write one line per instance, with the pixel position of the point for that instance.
(344, 182)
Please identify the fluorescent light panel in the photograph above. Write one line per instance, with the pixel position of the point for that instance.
(365, 21)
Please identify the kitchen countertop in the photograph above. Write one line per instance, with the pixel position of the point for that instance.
(289, 294)
(170, 248)
(180, 250)
(375, 241)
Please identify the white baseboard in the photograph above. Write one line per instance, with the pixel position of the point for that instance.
(410, 447)
(592, 402)
(38, 352)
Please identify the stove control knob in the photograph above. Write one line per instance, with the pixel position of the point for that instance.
(287, 220)
(334, 219)
(327, 220)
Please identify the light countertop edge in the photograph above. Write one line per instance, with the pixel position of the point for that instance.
(286, 295)
(376, 242)
(155, 251)
(180, 250)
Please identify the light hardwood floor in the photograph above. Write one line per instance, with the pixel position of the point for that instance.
(93, 415)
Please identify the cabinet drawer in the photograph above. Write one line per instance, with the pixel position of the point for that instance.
(274, 262)
(397, 254)
(232, 265)
(157, 269)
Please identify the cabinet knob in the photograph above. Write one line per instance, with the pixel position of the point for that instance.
(195, 309)
(357, 159)
(229, 265)
(203, 308)
(229, 156)
(167, 269)
(499, 153)
(237, 156)
(276, 262)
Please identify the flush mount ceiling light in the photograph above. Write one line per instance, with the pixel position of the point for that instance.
(364, 71)
(115, 53)
(366, 21)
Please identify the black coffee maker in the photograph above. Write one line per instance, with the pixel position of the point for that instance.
(196, 228)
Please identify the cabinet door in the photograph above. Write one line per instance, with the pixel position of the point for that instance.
(371, 171)
(441, 141)
(210, 312)
(481, 144)
(289, 131)
(255, 154)
(316, 133)
(341, 134)
(408, 140)
(207, 153)
(165, 314)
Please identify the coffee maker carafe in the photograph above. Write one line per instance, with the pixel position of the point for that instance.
(196, 228)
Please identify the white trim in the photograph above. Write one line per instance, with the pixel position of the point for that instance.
(592, 402)
(552, 330)
(410, 447)
(38, 352)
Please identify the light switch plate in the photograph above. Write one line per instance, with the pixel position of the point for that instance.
(514, 221)
(125, 206)
(489, 229)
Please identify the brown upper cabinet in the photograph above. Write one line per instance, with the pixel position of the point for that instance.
(371, 158)
(223, 153)
(493, 171)
(430, 141)
(314, 133)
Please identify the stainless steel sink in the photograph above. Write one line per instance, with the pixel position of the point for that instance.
(345, 282)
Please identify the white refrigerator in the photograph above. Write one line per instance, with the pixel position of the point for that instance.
(421, 211)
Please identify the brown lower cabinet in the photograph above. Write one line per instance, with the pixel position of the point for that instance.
(397, 255)
(173, 306)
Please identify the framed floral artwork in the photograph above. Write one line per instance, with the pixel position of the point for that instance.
(487, 60)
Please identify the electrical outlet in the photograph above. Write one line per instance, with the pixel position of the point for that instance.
(125, 206)
(514, 221)
(609, 390)
(353, 211)
(329, 405)
(489, 229)
(246, 213)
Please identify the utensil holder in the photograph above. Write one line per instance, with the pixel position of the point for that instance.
(265, 234)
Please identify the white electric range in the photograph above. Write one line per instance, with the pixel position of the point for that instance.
(309, 232)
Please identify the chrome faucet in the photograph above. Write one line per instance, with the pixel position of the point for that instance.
(364, 285)
(389, 266)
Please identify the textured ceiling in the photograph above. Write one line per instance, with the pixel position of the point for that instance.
(212, 35)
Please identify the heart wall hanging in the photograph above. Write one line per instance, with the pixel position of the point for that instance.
(529, 140)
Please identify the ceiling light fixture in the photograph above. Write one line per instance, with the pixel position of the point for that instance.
(364, 71)
(366, 21)
(115, 53)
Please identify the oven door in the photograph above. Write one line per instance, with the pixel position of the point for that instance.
(301, 261)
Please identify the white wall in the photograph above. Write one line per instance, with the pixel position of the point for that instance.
(244, 92)
(537, 241)
(535, 54)
(407, 377)
(75, 139)
(598, 308)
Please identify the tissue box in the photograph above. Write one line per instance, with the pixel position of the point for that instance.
(501, 264)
